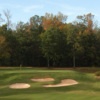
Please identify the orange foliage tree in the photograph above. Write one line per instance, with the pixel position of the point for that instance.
(50, 20)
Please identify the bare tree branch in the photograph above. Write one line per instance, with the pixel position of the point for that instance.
(8, 17)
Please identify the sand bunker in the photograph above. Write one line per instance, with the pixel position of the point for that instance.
(65, 82)
(43, 79)
(19, 85)
(98, 77)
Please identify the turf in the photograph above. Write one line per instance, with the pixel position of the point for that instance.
(88, 87)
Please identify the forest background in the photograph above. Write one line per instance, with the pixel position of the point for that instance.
(50, 41)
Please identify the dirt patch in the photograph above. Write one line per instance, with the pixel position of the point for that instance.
(43, 79)
(65, 82)
(19, 86)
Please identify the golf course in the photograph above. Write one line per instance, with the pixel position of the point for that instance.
(87, 87)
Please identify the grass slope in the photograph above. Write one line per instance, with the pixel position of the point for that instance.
(88, 87)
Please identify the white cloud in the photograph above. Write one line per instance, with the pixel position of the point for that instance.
(68, 13)
(68, 9)
(7, 5)
(26, 9)
(30, 8)
(66, 6)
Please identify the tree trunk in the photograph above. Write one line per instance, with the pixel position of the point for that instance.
(74, 56)
(74, 60)
(48, 62)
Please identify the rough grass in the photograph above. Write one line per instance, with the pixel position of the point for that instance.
(88, 87)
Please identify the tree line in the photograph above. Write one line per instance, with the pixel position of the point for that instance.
(50, 41)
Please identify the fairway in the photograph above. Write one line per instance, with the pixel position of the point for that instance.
(88, 86)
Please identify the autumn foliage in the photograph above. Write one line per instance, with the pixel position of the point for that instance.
(50, 41)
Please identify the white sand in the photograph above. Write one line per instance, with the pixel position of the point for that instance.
(43, 79)
(19, 86)
(65, 82)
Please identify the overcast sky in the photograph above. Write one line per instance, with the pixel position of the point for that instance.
(22, 10)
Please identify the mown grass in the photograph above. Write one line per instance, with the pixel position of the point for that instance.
(88, 87)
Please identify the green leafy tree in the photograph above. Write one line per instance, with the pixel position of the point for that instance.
(4, 50)
(53, 44)
(72, 41)
(88, 42)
